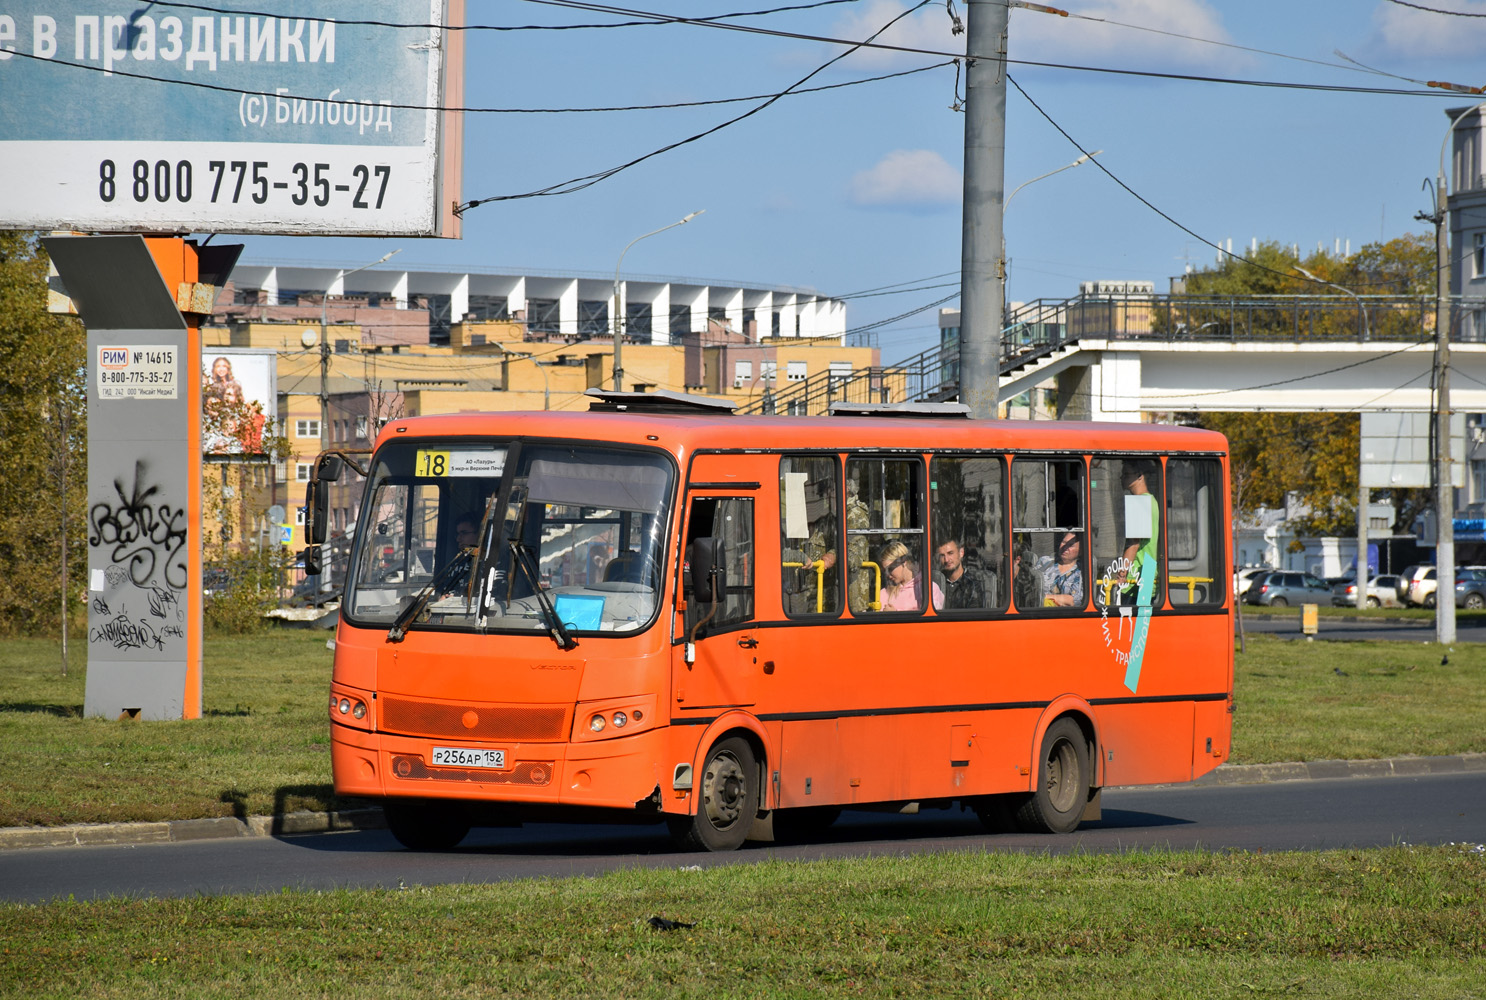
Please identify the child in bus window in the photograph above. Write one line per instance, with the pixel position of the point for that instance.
(902, 586)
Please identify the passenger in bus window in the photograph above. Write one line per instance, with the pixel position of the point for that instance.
(1137, 478)
(1026, 581)
(1063, 576)
(902, 587)
(965, 586)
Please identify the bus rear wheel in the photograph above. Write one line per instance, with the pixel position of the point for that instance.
(426, 826)
(1063, 777)
(727, 800)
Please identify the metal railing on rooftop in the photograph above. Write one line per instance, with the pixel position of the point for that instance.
(1042, 327)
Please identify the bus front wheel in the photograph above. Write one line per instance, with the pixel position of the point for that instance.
(1063, 775)
(727, 800)
(426, 826)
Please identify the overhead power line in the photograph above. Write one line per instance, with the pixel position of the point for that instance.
(1437, 10)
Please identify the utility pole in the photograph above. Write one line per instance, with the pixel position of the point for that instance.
(1444, 594)
(982, 250)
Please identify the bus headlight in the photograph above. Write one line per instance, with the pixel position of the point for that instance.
(614, 717)
(345, 706)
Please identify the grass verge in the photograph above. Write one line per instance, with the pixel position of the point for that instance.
(263, 746)
(1393, 922)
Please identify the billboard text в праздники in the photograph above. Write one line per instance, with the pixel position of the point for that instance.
(164, 119)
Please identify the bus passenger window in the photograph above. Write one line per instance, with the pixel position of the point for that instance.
(1126, 494)
(809, 536)
(1049, 566)
(885, 537)
(969, 538)
(1195, 560)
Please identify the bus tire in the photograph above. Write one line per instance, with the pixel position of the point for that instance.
(727, 800)
(426, 826)
(1057, 806)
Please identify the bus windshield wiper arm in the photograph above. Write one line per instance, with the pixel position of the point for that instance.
(410, 613)
(549, 613)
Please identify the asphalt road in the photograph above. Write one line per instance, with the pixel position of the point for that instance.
(1281, 816)
(1397, 630)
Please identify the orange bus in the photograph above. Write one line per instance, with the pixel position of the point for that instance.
(744, 625)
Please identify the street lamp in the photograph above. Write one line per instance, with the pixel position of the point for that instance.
(1005, 257)
(325, 345)
(546, 388)
(1444, 608)
(618, 323)
(1366, 326)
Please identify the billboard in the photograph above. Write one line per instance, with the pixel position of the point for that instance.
(238, 400)
(229, 119)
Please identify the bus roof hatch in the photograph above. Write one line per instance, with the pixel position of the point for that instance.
(659, 401)
(844, 409)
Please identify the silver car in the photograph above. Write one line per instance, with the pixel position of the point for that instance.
(1382, 592)
(1283, 588)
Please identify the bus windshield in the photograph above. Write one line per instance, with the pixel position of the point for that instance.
(585, 523)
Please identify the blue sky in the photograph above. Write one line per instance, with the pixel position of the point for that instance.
(858, 188)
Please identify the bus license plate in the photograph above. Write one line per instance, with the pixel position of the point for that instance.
(469, 757)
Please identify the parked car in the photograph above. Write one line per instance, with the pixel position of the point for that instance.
(1470, 588)
(1382, 592)
(1404, 580)
(1244, 578)
(1285, 587)
(1422, 587)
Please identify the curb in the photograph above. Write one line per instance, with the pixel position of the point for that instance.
(1391, 767)
(295, 824)
(299, 824)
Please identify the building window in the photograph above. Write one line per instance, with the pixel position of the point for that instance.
(361, 428)
(840, 372)
(742, 373)
(1480, 255)
(281, 471)
(794, 371)
(307, 428)
(302, 471)
(299, 516)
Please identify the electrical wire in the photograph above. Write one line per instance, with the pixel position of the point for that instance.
(898, 291)
(898, 284)
(589, 180)
(1436, 10)
(649, 20)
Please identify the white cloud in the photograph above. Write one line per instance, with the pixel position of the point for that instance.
(1402, 31)
(907, 178)
(1099, 34)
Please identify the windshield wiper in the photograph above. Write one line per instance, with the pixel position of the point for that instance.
(529, 568)
(410, 613)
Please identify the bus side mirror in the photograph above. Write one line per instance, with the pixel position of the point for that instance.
(330, 468)
(311, 558)
(708, 562)
(316, 500)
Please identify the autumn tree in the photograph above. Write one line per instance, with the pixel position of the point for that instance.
(1312, 456)
(43, 466)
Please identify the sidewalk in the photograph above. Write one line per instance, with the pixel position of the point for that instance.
(299, 824)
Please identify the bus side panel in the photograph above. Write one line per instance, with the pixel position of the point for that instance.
(1146, 744)
(1212, 736)
(892, 758)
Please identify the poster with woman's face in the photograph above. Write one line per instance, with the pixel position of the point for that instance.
(237, 401)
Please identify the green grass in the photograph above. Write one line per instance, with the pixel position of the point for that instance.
(263, 746)
(1343, 924)
(1390, 699)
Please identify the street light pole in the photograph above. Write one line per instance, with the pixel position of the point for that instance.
(1366, 324)
(1444, 602)
(618, 322)
(325, 346)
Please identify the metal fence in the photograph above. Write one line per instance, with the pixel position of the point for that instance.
(1044, 326)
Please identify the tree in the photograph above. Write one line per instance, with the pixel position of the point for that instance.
(43, 424)
(1313, 456)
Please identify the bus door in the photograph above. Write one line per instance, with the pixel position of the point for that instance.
(720, 661)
